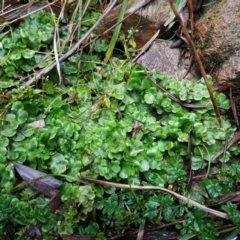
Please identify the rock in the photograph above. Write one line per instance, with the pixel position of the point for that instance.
(218, 41)
(170, 61)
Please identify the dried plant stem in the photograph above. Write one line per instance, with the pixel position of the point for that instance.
(190, 7)
(180, 197)
(199, 62)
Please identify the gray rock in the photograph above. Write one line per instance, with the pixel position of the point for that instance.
(173, 62)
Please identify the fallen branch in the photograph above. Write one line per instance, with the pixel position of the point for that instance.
(180, 197)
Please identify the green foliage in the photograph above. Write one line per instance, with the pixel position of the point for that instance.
(17, 213)
(233, 213)
(20, 49)
(196, 225)
(90, 131)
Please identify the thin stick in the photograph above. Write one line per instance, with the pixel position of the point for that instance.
(190, 9)
(196, 55)
(180, 197)
(234, 110)
(175, 99)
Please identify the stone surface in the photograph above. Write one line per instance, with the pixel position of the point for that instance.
(174, 62)
(217, 36)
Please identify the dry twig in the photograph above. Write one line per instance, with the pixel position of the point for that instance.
(180, 197)
(190, 8)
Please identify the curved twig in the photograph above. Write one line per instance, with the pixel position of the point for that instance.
(180, 197)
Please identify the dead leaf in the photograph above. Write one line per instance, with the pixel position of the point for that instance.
(38, 124)
(38, 180)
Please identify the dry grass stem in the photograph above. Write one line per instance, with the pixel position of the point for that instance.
(180, 197)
